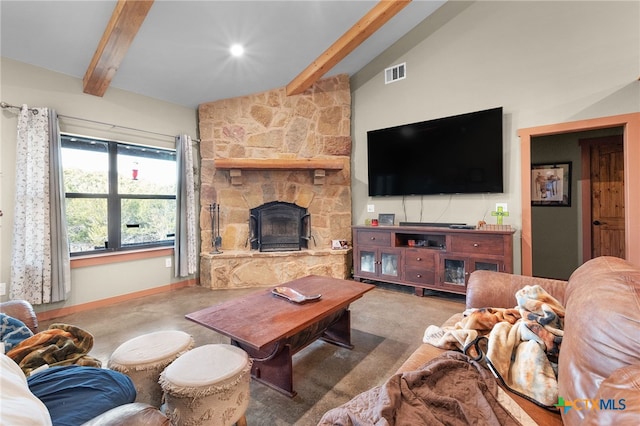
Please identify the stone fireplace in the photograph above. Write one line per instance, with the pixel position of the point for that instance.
(270, 149)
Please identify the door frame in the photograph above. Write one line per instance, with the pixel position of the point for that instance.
(631, 145)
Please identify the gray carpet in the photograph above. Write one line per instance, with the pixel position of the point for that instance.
(387, 326)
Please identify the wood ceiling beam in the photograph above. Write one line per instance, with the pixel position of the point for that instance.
(122, 28)
(379, 15)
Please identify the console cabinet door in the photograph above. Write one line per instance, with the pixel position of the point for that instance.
(455, 270)
(390, 263)
(454, 273)
(377, 263)
(366, 262)
(478, 264)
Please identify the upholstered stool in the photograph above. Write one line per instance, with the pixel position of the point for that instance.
(144, 357)
(208, 385)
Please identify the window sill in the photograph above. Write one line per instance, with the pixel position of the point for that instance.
(121, 256)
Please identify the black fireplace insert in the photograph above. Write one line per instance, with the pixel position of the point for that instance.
(279, 226)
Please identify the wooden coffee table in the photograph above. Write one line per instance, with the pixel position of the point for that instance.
(272, 329)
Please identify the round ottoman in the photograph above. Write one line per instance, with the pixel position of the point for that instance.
(208, 385)
(144, 357)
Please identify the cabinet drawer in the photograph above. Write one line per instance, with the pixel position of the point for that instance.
(477, 244)
(373, 238)
(419, 276)
(420, 258)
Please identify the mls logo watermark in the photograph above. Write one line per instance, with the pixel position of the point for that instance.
(591, 404)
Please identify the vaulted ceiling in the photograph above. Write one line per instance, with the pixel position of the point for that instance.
(178, 50)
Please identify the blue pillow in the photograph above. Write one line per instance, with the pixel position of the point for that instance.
(75, 394)
(12, 331)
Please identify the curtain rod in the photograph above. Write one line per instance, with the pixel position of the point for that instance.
(5, 105)
(35, 111)
(121, 127)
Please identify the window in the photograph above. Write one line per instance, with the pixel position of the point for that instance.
(118, 196)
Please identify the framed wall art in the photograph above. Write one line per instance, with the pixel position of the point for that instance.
(551, 184)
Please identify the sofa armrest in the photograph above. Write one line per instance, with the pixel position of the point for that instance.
(498, 289)
(21, 310)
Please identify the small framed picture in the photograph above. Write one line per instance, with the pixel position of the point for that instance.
(339, 244)
(551, 184)
(386, 219)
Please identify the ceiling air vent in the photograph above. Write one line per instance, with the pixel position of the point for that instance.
(395, 73)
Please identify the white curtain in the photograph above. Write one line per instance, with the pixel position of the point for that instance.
(60, 256)
(40, 256)
(185, 255)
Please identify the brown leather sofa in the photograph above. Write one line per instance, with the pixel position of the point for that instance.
(599, 364)
(129, 414)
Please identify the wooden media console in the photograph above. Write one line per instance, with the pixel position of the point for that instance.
(435, 258)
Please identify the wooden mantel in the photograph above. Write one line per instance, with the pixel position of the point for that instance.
(279, 163)
(318, 165)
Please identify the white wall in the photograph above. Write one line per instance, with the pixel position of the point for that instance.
(544, 62)
(37, 87)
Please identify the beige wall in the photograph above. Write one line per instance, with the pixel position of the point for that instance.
(544, 62)
(37, 87)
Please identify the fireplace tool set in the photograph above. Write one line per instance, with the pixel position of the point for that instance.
(216, 239)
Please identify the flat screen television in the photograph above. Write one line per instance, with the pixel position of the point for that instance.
(461, 154)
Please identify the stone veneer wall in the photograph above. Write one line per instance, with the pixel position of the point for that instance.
(271, 125)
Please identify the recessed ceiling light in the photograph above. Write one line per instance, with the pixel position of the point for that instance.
(237, 50)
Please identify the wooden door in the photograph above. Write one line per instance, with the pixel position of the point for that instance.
(606, 174)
